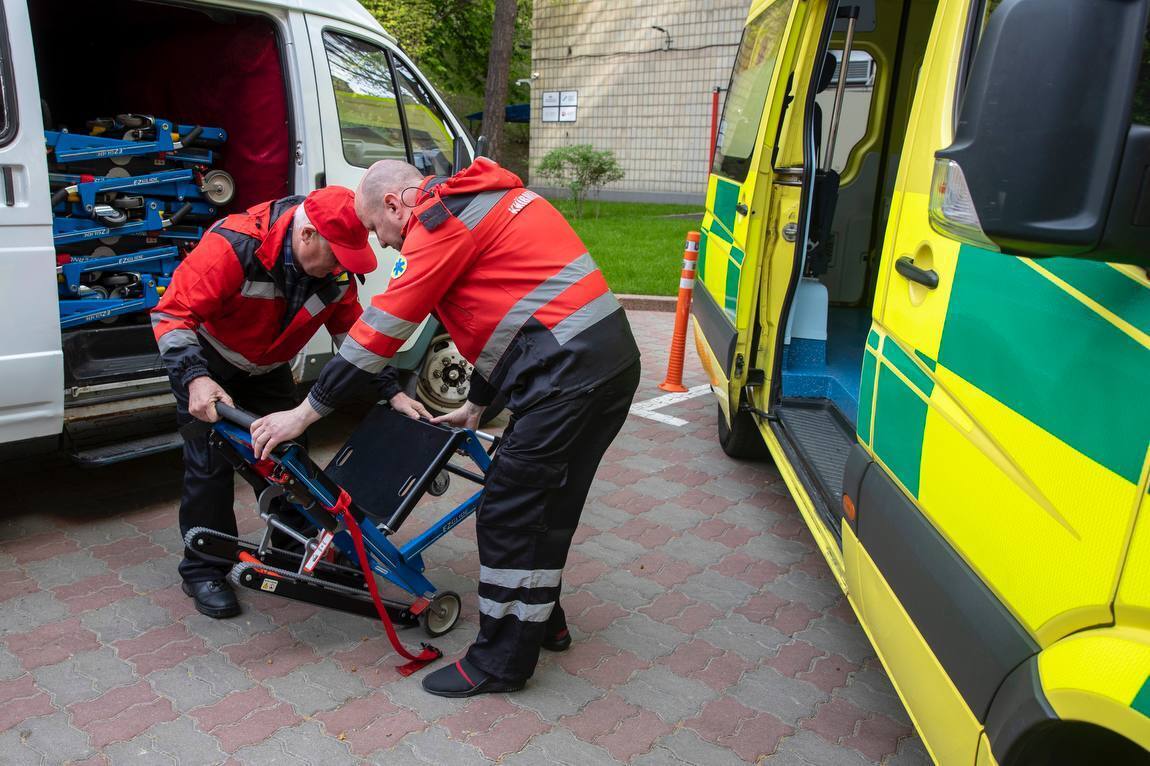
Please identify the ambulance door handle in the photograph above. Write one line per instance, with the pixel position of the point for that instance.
(741, 208)
(928, 278)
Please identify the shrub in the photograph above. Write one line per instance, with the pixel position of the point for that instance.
(582, 169)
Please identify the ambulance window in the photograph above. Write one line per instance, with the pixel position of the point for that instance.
(7, 86)
(747, 94)
(1141, 111)
(431, 141)
(855, 114)
(369, 119)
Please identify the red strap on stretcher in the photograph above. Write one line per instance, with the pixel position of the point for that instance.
(342, 508)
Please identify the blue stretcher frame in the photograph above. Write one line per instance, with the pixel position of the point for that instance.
(401, 566)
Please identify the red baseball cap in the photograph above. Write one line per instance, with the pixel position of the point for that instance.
(331, 211)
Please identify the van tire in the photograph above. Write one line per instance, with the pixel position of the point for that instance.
(741, 439)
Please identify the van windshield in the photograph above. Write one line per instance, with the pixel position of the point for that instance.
(747, 94)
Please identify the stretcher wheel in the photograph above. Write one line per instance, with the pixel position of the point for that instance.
(441, 614)
(439, 484)
(219, 187)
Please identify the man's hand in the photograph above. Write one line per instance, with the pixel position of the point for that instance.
(203, 393)
(466, 416)
(405, 405)
(272, 430)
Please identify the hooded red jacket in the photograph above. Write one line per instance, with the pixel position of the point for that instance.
(510, 280)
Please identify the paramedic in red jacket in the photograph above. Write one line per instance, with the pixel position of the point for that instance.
(243, 303)
(526, 304)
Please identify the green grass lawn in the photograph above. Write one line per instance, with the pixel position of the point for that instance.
(639, 248)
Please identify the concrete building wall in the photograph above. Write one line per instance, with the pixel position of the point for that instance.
(649, 104)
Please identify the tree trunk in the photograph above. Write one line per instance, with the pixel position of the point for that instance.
(498, 70)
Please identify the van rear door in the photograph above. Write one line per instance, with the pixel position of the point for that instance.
(31, 363)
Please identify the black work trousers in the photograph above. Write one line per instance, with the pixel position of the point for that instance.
(531, 505)
(209, 480)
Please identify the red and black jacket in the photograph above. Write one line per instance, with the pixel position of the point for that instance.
(510, 280)
(227, 305)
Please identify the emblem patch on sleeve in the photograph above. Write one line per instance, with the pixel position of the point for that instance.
(399, 268)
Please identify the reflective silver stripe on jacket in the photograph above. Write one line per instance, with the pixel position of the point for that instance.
(510, 324)
(366, 360)
(174, 339)
(525, 612)
(315, 304)
(479, 207)
(260, 289)
(391, 326)
(235, 358)
(338, 339)
(521, 578)
(595, 311)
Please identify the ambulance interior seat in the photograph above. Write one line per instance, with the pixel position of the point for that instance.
(826, 187)
(217, 68)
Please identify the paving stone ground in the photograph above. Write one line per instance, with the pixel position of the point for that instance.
(708, 630)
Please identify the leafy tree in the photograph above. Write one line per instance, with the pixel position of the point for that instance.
(581, 169)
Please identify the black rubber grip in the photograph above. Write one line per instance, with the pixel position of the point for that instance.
(233, 415)
(61, 195)
(180, 214)
(193, 134)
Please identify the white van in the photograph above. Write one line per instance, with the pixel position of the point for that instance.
(310, 93)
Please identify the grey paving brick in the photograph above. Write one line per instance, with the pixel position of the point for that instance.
(674, 516)
(776, 549)
(748, 639)
(819, 593)
(610, 549)
(694, 550)
(199, 681)
(787, 699)
(16, 527)
(640, 634)
(319, 686)
(730, 488)
(659, 487)
(683, 747)
(10, 667)
(870, 689)
(235, 630)
(48, 740)
(152, 575)
(722, 592)
(643, 462)
(625, 589)
(171, 742)
(65, 570)
(553, 693)
(911, 752)
(805, 748)
(750, 517)
(672, 697)
(834, 635)
(603, 517)
(332, 631)
(25, 613)
(562, 748)
(304, 744)
(432, 746)
(125, 619)
(84, 676)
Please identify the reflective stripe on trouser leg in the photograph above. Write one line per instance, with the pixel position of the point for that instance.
(532, 502)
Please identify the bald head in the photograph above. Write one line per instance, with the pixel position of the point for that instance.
(379, 199)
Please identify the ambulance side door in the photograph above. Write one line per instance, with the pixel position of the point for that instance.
(31, 362)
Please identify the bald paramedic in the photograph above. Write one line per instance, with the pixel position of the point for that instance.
(241, 306)
(526, 304)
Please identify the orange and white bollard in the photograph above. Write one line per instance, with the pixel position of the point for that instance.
(674, 379)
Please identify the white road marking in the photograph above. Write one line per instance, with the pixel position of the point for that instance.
(647, 409)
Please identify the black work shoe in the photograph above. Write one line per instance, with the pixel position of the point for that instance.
(214, 598)
(462, 679)
(557, 642)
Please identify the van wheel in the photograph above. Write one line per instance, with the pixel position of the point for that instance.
(445, 379)
(741, 439)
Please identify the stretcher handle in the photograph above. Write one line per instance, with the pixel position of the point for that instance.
(180, 214)
(193, 134)
(61, 195)
(234, 415)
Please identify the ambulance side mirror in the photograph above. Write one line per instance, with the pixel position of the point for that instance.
(1051, 155)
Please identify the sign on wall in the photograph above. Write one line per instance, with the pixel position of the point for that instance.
(560, 106)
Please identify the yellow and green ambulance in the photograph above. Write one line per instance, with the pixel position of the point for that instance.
(923, 291)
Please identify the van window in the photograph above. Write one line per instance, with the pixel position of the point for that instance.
(365, 100)
(7, 86)
(854, 117)
(431, 141)
(746, 96)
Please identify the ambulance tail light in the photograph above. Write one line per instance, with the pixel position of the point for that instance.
(952, 211)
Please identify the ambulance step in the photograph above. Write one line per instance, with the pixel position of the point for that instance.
(823, 439)
(128, 450)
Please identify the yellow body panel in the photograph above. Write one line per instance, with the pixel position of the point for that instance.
(1132, 606)
(932, 701)
(1095, 676)
(985, 757)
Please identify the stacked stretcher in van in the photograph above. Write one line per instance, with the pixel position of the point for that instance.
(129, 197)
